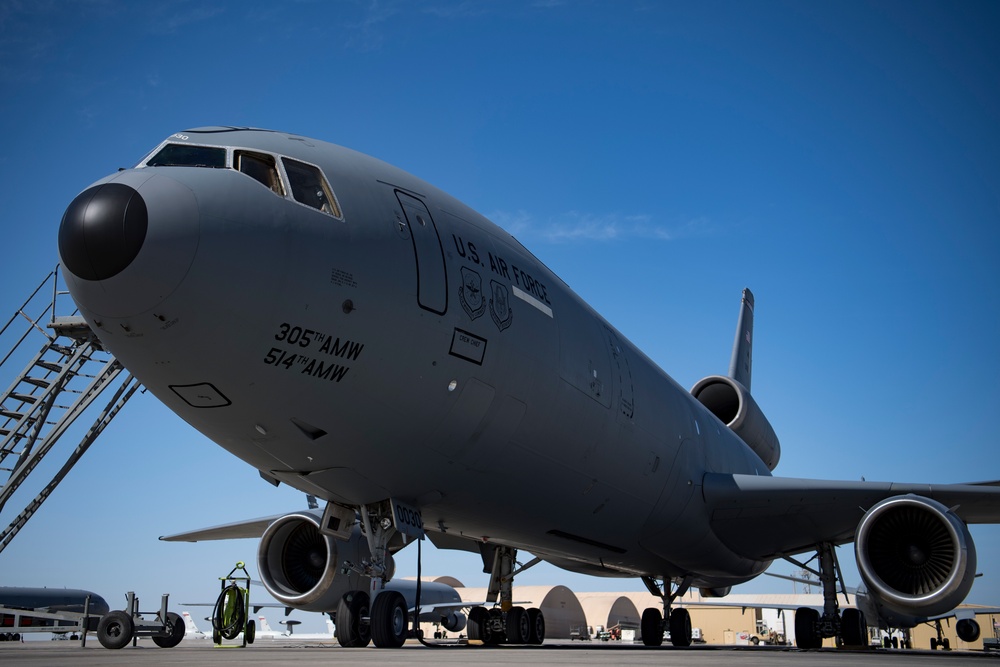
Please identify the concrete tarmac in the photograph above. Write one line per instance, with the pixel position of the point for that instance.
(201, 652)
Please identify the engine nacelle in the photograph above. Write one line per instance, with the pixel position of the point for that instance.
(732, 403)
(301, 567)
(916, 557)
(453, 621)
(715, 592)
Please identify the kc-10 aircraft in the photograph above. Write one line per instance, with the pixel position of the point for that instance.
(356, 333)
(49, 601)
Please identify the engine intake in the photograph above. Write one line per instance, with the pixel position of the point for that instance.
(915, 555)
(300, 566)
(732, 403)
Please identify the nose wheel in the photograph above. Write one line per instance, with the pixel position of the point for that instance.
(351, 630)
(388, 620)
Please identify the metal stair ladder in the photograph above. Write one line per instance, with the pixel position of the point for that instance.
(56, 386)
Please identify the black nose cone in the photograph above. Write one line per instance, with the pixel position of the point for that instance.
(102, 231)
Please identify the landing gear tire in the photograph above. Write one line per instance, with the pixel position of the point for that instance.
(351, 632)
(805, 628)
(175, 632)
(115, 630)
(495, 621)
(478, 619)
(251, 632)
(680, 627)
(388, 620)
(536, 624)
(652, 627)
(518, 626)
(967, 630)
(853, 628)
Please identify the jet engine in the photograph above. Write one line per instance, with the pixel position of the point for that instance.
(453, 621)
(732, 403)
(916, 556)
(301, 567)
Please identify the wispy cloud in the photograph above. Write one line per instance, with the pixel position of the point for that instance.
(378, 17)
(575, 226)
(461, 9)
(171, 17)
(367, 34)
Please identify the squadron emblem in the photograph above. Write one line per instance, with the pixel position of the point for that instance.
(470, 294)
(500, 306)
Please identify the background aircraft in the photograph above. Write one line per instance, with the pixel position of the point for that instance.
(192, 631)
(439, 602)
(50, 600)
(267, 632)
(506, 376)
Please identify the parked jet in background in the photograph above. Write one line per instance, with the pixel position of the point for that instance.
(360, 335)
(52, 599)
(439, 602)
(267, 632)
(48, 600)
(192, 630)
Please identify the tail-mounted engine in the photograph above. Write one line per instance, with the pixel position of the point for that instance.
(732, 403)
(915, 555)
(301, 567)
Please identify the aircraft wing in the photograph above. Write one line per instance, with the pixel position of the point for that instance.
(767, 517)
(256, 606)
(228, 531)
(966, 612)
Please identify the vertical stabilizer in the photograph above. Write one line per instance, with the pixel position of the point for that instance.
(189, 624)
(742, 361)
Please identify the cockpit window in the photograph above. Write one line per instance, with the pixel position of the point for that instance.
(184, 155)
(260, 167)
(309, 187)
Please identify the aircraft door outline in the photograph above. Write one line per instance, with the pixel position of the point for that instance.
(432, 274)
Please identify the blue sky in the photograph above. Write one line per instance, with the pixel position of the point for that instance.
(840, 159)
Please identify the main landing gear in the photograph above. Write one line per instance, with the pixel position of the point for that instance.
(381, 616)
(812, 627)
(678, 621)
(505, 622)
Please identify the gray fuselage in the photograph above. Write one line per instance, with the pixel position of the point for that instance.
(401, 345)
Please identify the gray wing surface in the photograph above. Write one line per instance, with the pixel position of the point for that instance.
(765, 517)
(228, 531)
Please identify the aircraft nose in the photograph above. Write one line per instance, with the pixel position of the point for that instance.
(127, 242)
(103, 230)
